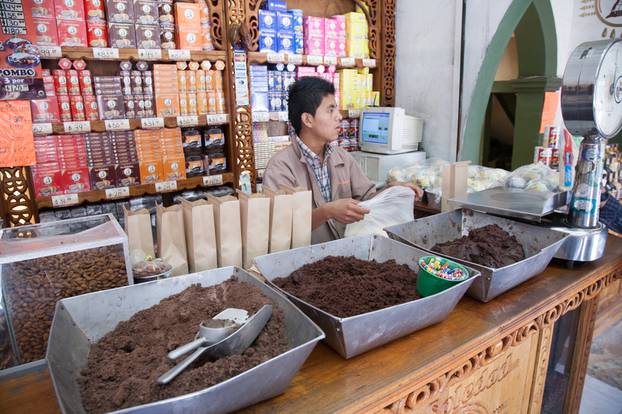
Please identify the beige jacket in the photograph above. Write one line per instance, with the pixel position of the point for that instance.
(288, 168)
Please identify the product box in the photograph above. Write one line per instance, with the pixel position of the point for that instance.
(130, 107)
(191, 80)
(45, 110)
(277, 5)
(167, 105)
(314, 46)
(147, 36)
(64, 107)
(284, 21)
(94, 10)
(183, 104)
(151, 171)
(297, 20)
(146, 12)
(73, 82)
(299, 43)
(48, 85)
(47, 182)
(46, 31)
(86, 82)
(189, 39)
(77, 108)
(75, 180)
(69, 10)
(149, 106)
(97, 33)
(192, 104)
(127, 174)
(173, 169)
(202, 103)
(121, 35)
(285, 42)
(120, 11)
(313, 26)
(42, 8)
(267, 20)
(111, 106)
(356, 24)
(267, 41)
(188, 15)
(102, 177)
(71, 33)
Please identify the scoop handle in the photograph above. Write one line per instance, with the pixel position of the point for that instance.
(177, 369)
(184, 349)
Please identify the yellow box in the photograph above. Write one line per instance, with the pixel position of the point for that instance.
(202, 103)
(356, 23)
(182, 81)
(192, 104)
(183, 104)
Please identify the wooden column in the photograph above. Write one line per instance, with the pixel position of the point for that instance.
(16, 205)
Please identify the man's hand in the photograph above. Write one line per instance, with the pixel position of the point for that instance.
(418, 191)
(346, 211)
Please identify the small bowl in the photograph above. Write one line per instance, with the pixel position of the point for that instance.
(429, 284)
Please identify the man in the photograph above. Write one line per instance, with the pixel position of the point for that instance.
(333, 176)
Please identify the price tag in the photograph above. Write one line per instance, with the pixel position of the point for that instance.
(294, 59)
(117, 124)
(50, 52)
(216, 119)
(209, 180)
(370, 63)
(65, 200)
(165, 186)
(119, 192)
(77, 127)
(348, 62)
(314, 60)
(354, 113)
(282, 116)
(151, 123)
(42, 129)
(179, 54)
(185, 121)
(276, 57)
(330, 60)
(105, 53)
(150, 54)
(261, 116)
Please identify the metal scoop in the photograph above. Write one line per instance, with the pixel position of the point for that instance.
(236, 343)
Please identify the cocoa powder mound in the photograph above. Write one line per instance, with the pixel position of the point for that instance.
(346, 286)
(124, 365)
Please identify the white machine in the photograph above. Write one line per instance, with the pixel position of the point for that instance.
(376, 166)
(387, 130)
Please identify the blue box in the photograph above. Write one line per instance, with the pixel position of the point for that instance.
(267, 41)
(275, 101)
(285, 42)
(277, 5)
(267, 20)
(259, 101)
(284, 21)
(299, 43)
(297, 17)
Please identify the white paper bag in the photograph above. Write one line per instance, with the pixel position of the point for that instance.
(228, 230)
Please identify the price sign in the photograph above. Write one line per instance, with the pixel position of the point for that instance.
(354, 113)
(370, 63)
(261, 116)
(348, 62)
(165, 186)
(150, 54)
(314, 60)
(276, 57)
(282, 116)
(105, 53)
(330, 60)
(50, 52)
(216, 119)
(77, 127)
(294, 59)
(185, 121)
(151, 123)
(210, 180)
(42, 129)
(119, 192)
(65, 200)
(179, 54)
(117, 124)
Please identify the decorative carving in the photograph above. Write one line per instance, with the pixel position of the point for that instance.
(216, 20)
(542, 363)
(415, 398)
(243, 143)
(252, 24)
(388, 54)
(17, 204)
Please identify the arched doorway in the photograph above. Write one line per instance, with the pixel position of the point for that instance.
(533, 25)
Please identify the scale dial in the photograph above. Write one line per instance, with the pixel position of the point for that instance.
(592, 89)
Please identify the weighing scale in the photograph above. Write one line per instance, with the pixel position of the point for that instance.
(591, 99)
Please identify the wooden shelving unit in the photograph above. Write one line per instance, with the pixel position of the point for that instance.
(260, 58)
(112, 54)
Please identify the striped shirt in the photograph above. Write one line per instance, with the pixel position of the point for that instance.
(320, 169)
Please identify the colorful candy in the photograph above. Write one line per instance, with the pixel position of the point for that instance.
(442, 270)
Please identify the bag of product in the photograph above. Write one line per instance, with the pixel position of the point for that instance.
(302, 205)
(200, 235)
(139, 236)
(172, 238)
(280, 219)
(228, 230)
(255, 212)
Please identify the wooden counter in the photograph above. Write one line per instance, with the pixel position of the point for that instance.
(485, 358)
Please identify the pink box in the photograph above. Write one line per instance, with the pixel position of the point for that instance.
(314, 26)
(71, 33)
(302, 71)
(45, 30)
(45, 110)
(341, 23)
(331, 46)
(314, 46)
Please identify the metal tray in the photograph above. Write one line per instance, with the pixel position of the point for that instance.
(540, 245)
(354, 335)
(82, 320)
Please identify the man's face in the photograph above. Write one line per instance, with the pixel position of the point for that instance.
(325, 124)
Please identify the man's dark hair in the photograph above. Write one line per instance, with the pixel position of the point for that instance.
(305, 95)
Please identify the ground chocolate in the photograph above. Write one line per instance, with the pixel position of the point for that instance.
(124, 365)
(489, 246)
(346, 286)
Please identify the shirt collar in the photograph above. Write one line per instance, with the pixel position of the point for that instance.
(328, 150)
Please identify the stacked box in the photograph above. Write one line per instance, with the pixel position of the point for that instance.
(46, 174)
(149, 152)
(46, 110)
(96, 27)
(173, 162)
(259, 88)
(335, 39)
(127, 167)
(188, 18)
(357, 44)
(147, 26)
(314, 33)
(355, 88)
(166, 20)
(70, 23)
(110, 102)
(73, 163)
(100, 160)
(166, 90)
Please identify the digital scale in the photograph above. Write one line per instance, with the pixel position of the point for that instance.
(591, 99)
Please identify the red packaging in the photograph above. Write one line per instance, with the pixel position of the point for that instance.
(45, 110)
(97, 33)
(46, 32)
(94, 10)
(90, 107)
(64, 107)
(79, 64)
(75, 180)
(102, 177)
(71, 33)
(60, 81)
(47, 182)
(42, 8)
(69, 9)
(64, 63)
(77, 108)
(48, 85)
(73, 82)
(86, 82)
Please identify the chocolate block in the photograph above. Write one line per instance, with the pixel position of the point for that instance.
(121, 35)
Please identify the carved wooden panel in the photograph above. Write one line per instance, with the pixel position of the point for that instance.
(217, 19)
(387, 94)
(17, 204)
(541, 369)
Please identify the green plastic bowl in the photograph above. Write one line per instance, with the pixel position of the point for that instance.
(429, 284)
